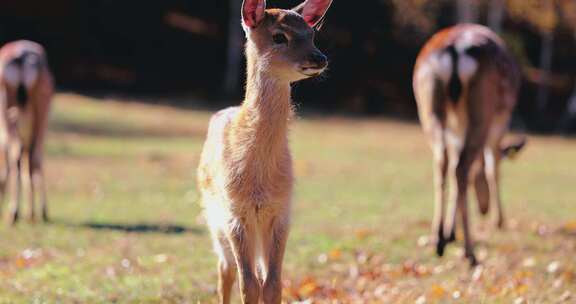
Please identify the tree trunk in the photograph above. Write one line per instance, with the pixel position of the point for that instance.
(467, 11)
(571, 109)
(234, 54)
(569, 117)
(496, 15)
(545, 66)
(570, 113)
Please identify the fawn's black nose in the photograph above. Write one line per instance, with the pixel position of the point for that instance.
(318, 59)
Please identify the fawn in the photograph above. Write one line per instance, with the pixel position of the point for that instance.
(26, 89)
(466, 85)
(245, 172)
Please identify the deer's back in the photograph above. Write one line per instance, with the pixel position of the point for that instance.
(459, 55)
(24, 73)
(28, 83)
(465, 74)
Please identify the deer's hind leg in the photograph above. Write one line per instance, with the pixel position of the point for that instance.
(459, 174)
(432, 112)
(14, 181)
(226, 266)
(481, 186)
(493, 156)
(440, 169)
(37, 181)
(3, 174)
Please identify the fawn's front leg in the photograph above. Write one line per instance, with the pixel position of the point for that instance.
(274, 238)
(243, 241)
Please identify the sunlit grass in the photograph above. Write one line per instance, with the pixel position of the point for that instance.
(127, 227)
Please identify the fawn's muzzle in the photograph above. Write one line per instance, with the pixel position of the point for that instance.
(318, 60)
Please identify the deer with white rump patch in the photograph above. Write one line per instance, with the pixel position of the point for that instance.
(26, 89)
(245, 172)
(466, 85)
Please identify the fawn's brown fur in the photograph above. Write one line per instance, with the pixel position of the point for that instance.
(245, 172)
(26, 89)
(466, 85)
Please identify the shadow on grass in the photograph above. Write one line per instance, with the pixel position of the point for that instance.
(119, 130)
(142, 228)
(568, 232)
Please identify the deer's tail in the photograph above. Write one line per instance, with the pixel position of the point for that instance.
(22, 73)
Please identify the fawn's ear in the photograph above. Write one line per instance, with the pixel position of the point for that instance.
(253, 12)
(313, 11)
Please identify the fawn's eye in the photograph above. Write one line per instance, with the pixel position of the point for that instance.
(280, 39)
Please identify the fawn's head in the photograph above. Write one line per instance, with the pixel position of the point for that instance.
(283, 40)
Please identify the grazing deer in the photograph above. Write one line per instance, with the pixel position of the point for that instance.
(245, 171)
(466, 84)
(26, 89)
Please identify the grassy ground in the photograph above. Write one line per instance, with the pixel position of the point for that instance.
(126, 225)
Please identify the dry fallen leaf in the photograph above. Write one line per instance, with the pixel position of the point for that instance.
(362, 233)
(456, 295)
(437, 292)
(521, 289)
(529, 262)
(477, 275)
(568, 276)
(308, 301)
(553, 267)
(543, 230)
(523, 275)
(161, 258)
(570, 227)
(421, 300)
(21, 262)
(335, 254)
(28, 257)
(308, 287)
(565, 296)
(423, 241)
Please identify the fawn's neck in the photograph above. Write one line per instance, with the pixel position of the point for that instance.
(262, 124)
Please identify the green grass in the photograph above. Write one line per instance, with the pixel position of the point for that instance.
(127, 227)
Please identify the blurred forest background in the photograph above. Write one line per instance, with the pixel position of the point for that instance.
(182, 48)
